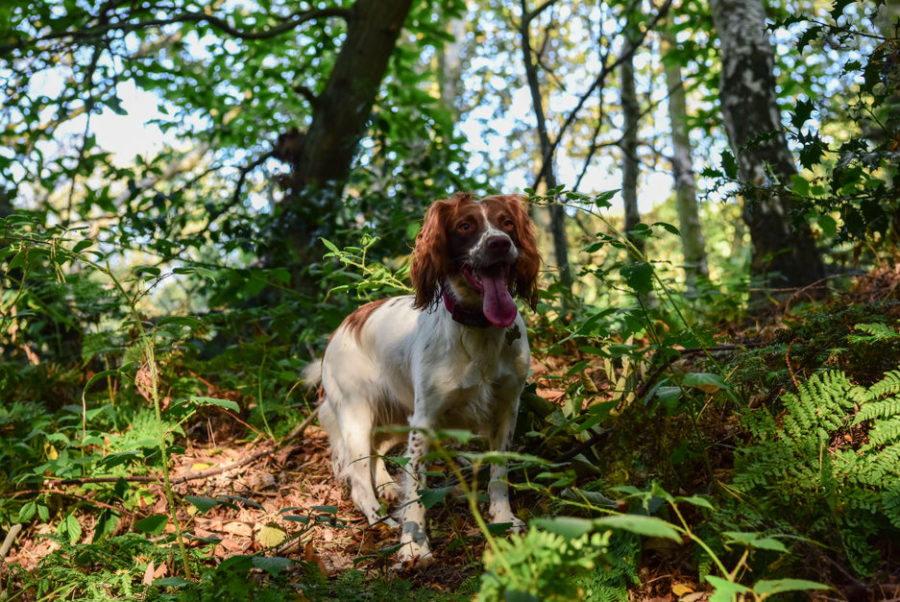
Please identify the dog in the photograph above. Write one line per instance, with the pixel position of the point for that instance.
(454, 355)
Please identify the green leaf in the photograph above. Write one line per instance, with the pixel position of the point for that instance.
(802, 112)
(569, 527)
(837, 9)
(203, 503)
(808, 36)
(272, 565)
(82, 245)
(705, 381)
(725, 590)
(603, 200)
(71, 528)
(189, 321)
(171, 582)
(140, 270)
(729, 165)
(777, 586)
(27, 511)
(649, 526)
(330, 246)
(639, 277)
(754, 540)
(696, 500)
(667, 227)
(430, 497)
(153, 524)
(213, 401)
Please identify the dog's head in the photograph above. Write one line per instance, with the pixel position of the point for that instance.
(483, 250)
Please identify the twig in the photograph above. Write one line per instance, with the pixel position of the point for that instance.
(8, 541)
(175, 481)
(298, 430)
(290, 22)
(787, 360)
(648, 382)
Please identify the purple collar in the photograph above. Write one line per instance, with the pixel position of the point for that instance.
(463, 315)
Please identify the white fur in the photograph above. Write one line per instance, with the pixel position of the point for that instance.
(417, 368)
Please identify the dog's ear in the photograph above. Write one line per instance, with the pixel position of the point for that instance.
(529, 262)
(431, 262)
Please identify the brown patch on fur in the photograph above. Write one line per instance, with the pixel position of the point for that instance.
(355, 321)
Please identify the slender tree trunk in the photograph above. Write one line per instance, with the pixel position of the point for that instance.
(322, 156)
(693, 245)
(557, 213)
(449, 59)
(631, 116)
(783, 253)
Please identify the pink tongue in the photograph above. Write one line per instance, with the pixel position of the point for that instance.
(498, 306)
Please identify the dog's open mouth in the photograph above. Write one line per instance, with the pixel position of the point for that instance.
(491, 282)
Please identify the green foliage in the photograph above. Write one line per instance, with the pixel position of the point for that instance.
(827, 471)
(541, 565)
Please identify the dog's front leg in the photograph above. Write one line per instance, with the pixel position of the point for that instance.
(414, 544)
(499, 509)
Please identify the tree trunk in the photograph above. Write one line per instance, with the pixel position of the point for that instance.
(783, 253)
(557, 212)
(629, 145)
(449, 59)
(322, 156)
(693, 245)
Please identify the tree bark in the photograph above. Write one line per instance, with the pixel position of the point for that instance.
(342, 109)
(556, 211)
(449, 59)
(783, 253)
(693, 244)
(322, 156)
(629, 145)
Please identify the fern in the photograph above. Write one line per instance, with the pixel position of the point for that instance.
(824, 471)
(820, 406)
(875, 333)
(890, 384)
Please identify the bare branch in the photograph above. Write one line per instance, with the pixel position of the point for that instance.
(601, 77)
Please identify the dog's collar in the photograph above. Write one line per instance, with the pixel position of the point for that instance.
(464, 315)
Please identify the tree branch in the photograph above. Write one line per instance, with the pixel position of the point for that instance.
(601, 77)
(292, 21)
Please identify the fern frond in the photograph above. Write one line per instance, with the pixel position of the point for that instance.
(885, 408)
(885, 431)
(876, 332)
(820, 406)
(890, 502)
(889, 385)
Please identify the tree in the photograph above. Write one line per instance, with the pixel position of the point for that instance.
(783, 248)
(631, 111)
(693, 245)
(548, 173)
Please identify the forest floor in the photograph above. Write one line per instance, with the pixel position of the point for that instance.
(269, 481)
(283, 500)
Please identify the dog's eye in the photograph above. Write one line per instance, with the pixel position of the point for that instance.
(509, 223)
(463, 226)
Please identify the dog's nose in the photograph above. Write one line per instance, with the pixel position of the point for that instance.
(499, 244)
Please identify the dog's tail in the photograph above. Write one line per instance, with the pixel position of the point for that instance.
(312, 374)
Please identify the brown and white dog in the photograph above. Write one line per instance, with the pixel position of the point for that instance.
(454, 355)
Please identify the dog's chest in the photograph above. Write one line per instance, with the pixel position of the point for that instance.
(478, 377)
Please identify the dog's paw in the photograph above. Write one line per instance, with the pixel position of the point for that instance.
(413, 555)
(516, 525)
(389, 491)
